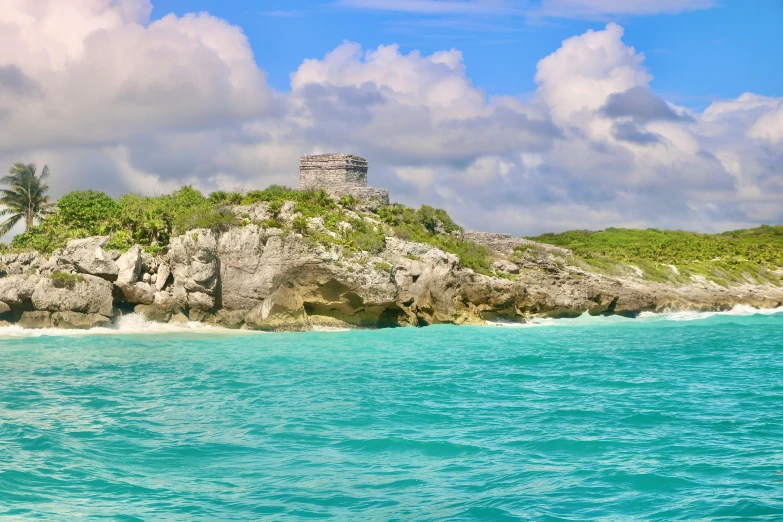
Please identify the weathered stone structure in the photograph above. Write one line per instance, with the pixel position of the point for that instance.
(339, 175)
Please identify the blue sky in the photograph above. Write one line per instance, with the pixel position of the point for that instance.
(695, 56)
(520, 116)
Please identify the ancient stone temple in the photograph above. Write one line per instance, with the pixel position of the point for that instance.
(339, 175)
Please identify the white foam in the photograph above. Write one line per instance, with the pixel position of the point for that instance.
(738, 311)
(132, 324)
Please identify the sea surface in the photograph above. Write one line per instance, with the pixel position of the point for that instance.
(672, 417)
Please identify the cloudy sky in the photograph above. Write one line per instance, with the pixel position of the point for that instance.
(517, 116)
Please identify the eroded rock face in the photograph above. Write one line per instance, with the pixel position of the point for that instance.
(254, 261)
(88, 257)
(36, 320)
(257, 278)
(194, 261)
(17, 290)
(281, 311)
(91, 295)
(78, 321)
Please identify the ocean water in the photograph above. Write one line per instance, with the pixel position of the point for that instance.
(674, 417)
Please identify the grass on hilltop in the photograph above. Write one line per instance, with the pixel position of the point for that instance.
(731, 257)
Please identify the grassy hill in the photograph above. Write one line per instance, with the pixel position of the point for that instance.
(731, 257)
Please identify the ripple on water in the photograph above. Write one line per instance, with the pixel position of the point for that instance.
(661, 418)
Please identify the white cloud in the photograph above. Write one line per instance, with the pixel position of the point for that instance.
(117, 103)
(102, 76)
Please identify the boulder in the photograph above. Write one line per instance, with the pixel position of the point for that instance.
(79, 321)
(201, 301)
(137, 293)
(34, 320)
(162, 276)
(129, 266)
(153, 312)
(231, 318)
(174, 299)
(4, 308)
(88, 257)
(17, 290)
(179, 318)
(201, 316)
(89, 294)
(282, 311)
(194, 261)
(505, 266)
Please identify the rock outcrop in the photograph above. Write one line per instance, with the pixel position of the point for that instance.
(266, 279)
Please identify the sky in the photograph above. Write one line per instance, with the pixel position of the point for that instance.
(516, 116)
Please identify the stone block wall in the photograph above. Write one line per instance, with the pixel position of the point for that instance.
(339, 175)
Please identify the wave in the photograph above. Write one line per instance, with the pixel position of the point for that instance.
(585, 318)
(131, 324)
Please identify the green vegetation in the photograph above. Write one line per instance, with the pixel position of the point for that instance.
(65, 280)
(730, 257)
(434, 227)
(147, 220)
(25, 198)
(382, 267)
(151, 221)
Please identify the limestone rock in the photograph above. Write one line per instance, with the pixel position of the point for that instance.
(88, 257)
(162, 276)
(91, 294)
(179, 318)
(231, 318)
(17, 290)
(78, 321)
(153, 312)
(254, 261)
(194, 261)
(201, 316)
(505, 266)
(4, 308)
(129, 266)
(35, 320)
(137, 293)
(282, 311)
(174, 299)
(201, 301)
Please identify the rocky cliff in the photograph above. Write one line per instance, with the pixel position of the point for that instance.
(275, 279)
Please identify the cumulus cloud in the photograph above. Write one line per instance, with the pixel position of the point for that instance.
(96, 73)
(116, 102)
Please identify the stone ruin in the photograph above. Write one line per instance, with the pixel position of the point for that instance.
(339, 175)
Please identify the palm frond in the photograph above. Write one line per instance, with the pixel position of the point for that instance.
(9, 223)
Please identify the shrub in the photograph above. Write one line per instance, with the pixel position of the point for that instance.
(300, 224)
(65, 280)
(348, 201)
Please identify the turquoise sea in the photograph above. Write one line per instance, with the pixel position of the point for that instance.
(675, 417)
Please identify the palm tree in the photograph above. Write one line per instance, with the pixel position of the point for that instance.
(25, 198)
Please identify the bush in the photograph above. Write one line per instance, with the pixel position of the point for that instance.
(300, 224)
(65, 280)
(94, 212)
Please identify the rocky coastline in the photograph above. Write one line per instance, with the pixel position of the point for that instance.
(274, 279)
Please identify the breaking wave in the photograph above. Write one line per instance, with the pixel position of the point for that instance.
(131, 324)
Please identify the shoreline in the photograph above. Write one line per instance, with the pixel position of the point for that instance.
(136, 324)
